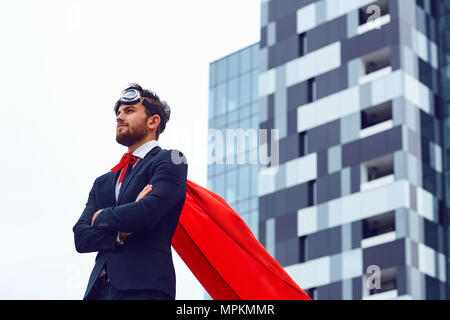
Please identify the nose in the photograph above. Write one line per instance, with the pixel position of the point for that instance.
(119, 117)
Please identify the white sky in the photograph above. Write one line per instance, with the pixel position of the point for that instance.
(62, 67)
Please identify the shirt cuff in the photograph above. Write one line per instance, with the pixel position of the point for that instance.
(118, 239)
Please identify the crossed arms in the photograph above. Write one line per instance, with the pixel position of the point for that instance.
(97, 228)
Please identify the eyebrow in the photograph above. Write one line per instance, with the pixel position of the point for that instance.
(128, 107)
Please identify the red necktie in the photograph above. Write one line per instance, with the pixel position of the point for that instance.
(127, 158)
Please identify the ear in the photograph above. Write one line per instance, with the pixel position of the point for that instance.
(153, 122)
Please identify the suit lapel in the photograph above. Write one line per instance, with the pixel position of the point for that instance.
(113, 176)
(135, 170)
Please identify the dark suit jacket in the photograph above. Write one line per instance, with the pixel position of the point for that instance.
(144, 261)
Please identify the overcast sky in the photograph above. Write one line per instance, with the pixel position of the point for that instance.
(62, 66)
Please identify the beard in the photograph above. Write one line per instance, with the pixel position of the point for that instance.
(132, 134)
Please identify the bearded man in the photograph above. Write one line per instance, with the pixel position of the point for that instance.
(133, 210)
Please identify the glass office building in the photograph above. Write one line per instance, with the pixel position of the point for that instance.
(233, 105)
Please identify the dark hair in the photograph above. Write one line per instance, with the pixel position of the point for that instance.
(160, 105)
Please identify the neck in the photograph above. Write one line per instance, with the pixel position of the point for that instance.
(133, 147)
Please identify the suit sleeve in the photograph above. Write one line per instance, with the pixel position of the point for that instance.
(88, 238)
(169, 188)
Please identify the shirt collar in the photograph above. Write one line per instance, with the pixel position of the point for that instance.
(142, 151)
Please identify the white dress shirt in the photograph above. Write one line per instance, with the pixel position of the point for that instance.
(139, 153)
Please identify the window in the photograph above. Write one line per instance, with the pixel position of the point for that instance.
(376, 115)
(212, 74)
(312, 193)
(221, 74)
(232, 186)
(312, 293)
(375, 64)
(303, 144)
(377, 225)
(388, 281)
(233, 97)
(245, 60)
(420, 4)
(365, 14)
(245, 89)
(244, 182)
(219, 185)
(254, 82)
(302, 44)
(303, 254)
(376, 119)
(211, 103)
(233, 65)
(377, 168)
(312, 90)
(221, 99)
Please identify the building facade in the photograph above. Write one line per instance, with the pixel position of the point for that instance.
(359, 91)
(355, 90)
(233, 105)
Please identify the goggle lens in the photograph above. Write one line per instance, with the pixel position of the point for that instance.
(130, 95)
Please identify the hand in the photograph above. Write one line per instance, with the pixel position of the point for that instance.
(144, 192)
(95, 216)
(124, 235)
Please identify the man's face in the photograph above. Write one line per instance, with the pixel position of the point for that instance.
(131, 124)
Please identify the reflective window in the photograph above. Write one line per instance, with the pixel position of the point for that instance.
(221, 75)
(255, 109)
(245, 87)
(220, 185)
(254, 79)
(233, 94)
(245, 111)
(244, 207)
(254, 222)
(246, 218)
(253, 203)
(245, 60)
(255, 56)
(233, 65)
(232, 186)
(221, 99)
(210, 184)
(254, 170)
(211, 111)
(212, 74)
(255, 121)
(244, 182)
(232, 117)
(211, 170)
(245, 123)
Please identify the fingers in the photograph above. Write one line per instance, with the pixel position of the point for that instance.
(145, 191)
(124, 235)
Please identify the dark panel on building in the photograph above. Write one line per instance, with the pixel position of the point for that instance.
(386, 255)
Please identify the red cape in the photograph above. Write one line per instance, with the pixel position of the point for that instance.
(224, 255)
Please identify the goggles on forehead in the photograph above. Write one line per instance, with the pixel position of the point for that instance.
(132, 96)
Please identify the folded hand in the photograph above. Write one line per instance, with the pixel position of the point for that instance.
(144, 192)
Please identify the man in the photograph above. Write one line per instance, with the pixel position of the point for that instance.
(133, 210)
